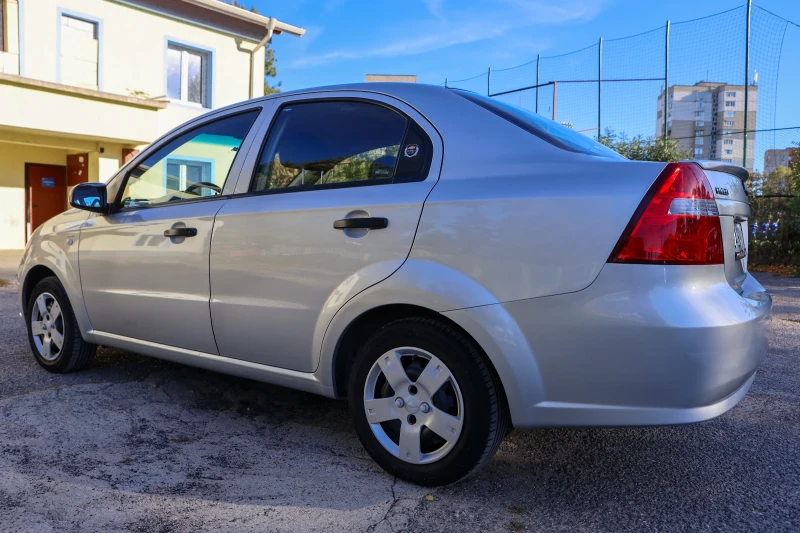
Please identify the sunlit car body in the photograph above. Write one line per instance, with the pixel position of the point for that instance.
(544, 280)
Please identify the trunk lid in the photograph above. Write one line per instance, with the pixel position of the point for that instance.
(730, 193)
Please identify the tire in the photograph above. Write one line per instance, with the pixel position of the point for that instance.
(52, 326)
(470, 399)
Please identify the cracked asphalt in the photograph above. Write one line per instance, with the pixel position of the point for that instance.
(138, 444)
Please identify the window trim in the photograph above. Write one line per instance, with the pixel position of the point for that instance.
(210, 79)
(98, 22)
(424, 174)
(117, 206)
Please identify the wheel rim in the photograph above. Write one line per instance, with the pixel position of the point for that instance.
(413, 405)
(47, 326)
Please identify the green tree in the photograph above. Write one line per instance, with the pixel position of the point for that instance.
(641, 148)
(269, 55)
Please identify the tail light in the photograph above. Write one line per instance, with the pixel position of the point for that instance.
(677, 223)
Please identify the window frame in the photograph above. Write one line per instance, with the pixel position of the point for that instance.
(98, 24)
(208, 75)
(423, 176)
(241, 155)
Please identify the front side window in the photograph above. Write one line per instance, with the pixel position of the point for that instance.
(187, 75)
(190, 166)
(79, 52)
(314, 144)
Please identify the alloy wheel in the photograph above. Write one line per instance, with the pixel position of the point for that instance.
(47, 326)
(413, 405)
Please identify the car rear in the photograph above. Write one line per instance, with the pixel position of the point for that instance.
(674, 327)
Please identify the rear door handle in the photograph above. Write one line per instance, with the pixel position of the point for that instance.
(363, 223)
(181, 232)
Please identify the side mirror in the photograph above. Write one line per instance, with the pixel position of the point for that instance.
(89, 197)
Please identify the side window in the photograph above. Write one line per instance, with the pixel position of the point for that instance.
(315, 144)
(190, 166)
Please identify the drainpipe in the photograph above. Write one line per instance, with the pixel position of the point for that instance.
(265, 40)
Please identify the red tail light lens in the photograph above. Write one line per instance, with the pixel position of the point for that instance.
(677, 223)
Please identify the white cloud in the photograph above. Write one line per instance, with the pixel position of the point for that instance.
(453, 26)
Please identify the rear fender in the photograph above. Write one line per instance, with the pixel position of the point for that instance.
(440, 289)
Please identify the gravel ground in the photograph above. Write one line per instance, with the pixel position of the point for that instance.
(137, 444)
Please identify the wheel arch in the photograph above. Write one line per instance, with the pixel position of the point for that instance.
(428, 290)
(36, 274)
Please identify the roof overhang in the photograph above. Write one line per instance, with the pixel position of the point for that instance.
(243, 14)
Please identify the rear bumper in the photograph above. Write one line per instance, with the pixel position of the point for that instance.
(642, 345)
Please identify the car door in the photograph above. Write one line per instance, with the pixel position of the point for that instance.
(328, 206)
(144, 267)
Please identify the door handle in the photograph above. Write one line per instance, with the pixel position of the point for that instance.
(181, 232)
(362, 223)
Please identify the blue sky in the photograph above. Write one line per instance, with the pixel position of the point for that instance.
(434, 39)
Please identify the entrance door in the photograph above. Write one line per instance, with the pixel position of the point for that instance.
(46, 191)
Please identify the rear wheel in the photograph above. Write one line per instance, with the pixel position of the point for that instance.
(52, 330)
(424, 403)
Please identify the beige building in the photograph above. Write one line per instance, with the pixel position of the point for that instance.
(775, 158)
(707, 119)
(85, 83)
(402, 78)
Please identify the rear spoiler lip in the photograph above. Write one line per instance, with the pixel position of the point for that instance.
(720, 166)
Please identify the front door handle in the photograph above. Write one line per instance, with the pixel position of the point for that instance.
(361, 223)
(181, 232)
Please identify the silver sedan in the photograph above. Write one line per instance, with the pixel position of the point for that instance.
(452, 265)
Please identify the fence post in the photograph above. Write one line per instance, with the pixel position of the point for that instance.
(538, 56)
(746, 81)
(666, 80)
(599, 77)
(489, 82)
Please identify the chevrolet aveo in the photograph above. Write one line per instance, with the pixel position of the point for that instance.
(452, 265)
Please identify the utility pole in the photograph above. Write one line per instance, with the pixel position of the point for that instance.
(666, 81)
(746, 81)
(538, 57)
(489, 82)
(599, 85)
(555, 98)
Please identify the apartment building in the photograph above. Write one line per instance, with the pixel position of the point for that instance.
(708, 120)
(775, 158)
(85, 83)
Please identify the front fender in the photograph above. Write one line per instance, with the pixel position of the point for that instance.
(447, 291)
(55, 246)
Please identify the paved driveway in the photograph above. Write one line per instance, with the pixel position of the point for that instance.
(137, 444)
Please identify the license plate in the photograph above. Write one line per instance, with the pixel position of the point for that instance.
(740, 249)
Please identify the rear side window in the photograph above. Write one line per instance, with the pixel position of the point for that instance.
(336, 142)
(546, 129)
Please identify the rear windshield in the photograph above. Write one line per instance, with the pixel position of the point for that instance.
(546, 129)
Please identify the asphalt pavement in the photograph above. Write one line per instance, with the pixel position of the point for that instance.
(138, 444)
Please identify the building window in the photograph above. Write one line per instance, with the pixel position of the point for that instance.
(80, 50)
(727, 141)
(698, 140)
(728, 152)
(730, 104)
(670, 105)
(699, 133)
(730, 94)
(669, 114)
(729, 123)
(188, 75)
(669, 124)
(181, 173)
(670, 96)
(698, 151)
(699, 104)
(728, 160)
(699, 123)
(699, 114)
(727, 132)
(2, 27)
(730, 113)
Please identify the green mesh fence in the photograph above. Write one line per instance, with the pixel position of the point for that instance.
(708, 68)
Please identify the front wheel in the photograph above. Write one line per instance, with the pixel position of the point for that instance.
(52, 330)
(424, 403)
